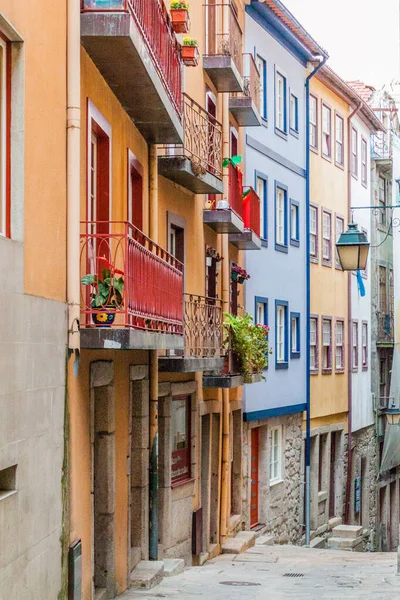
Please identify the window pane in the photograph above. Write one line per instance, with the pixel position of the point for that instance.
(294, 334)
(261, 313)
(280, 216)
(180, 439)
(261, 186)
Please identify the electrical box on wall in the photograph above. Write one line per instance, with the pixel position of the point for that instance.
(75, 571)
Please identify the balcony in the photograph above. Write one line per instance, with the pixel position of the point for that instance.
(197, 163)
(385, 336)
(223, 58)
(226, 216)
(244, 106)
(203, 346)
(147, 313)
(230, 377)
(250, 238)
(133, 45)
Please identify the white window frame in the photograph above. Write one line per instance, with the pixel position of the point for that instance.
(314, 343)
(261, 190)
(314, 232)
(326, 236)
(364, 346)
(364, 159)
(260, 312)
(280, 227)
(294, 222)
(339, 140)
(281, 334)
(326, 344)
(280, 102)
(275, 455)
(326, 131)
(354, 152)
(294, 113)
(261, 64)
(339, 345)
(313, 122)
(354, 346)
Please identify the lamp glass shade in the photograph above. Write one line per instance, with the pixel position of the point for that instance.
(353, 248)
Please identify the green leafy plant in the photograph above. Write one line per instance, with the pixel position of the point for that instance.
(234, 160)
(249, 343)
(107, 288)
(188, 41)
(176, 4)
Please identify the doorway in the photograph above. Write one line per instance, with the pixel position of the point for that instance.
(254, 477)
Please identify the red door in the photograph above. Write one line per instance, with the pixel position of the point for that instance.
(254, 478)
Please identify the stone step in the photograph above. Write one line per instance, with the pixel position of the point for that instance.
(173, 566)
(238, 544)
(147, 574)
(334, 522)
(100, 594)
(318, 542)
(347, 531)
(340, 543)
(265, 540)
(259, 530)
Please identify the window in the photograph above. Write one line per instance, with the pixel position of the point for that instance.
(339, 225)
(262, 69)
(180, 439)
(326, 238)
(313, 122)
(339, 346)
(5, 86)
(314, 344)
(280, 219)
(314, 233)
(339, 152)
(135, 191)
(294, 113)
(294, 335)
(354, 152)
(280, 102)
(261, 310)
(364, 157)
(275, 459)
(364, 345)
(383, 304)
(354, 345)
(326, 132)
(382, 200)
(294, 223)
(326, 345)
(281, 317)
(261, 189)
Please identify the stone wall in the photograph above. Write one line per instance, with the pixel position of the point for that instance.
(32, 400)
(279, 504)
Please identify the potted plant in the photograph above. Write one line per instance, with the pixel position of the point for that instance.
(238, 274)
(249, 344)
(190, 52)
(106, 293)
(179, 10)
(211, 253)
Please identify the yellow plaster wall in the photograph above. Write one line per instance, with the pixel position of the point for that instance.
(44, 129)
(329, 293)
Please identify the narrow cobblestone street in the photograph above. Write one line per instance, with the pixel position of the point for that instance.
(284, 572)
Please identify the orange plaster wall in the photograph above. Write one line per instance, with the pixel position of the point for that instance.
(45, 143)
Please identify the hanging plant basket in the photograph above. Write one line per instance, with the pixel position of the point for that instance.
(190, 56)
(180, 20)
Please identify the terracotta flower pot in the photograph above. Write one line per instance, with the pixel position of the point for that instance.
(190, 55)
(180, 20)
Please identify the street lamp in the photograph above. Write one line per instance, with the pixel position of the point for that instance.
(353, 247)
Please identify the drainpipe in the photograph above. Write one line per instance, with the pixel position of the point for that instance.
(153, 355)
(308, 305)
(349, 356)
(73, 176)
(225, 308)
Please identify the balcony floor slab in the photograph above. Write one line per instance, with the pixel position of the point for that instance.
(247, 240)
(179, 169)
(223, 72)
(223, 220)
(222, 381)
(244, 111)
(186, 364)
(118, 50)
(103, 338)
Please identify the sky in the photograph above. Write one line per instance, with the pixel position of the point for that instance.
(360, 36)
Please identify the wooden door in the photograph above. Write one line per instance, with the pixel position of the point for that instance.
(254, 478)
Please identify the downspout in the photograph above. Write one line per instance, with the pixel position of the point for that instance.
(73, 175)
(308, 306)
(349, 355)
(225, 308)
(153, 356)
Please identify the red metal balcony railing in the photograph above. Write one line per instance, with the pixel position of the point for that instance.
(202, 140)
(203, 326)
(152, 297)
(154, 23)
(251, 81)
(251, 210)
(218, 40)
